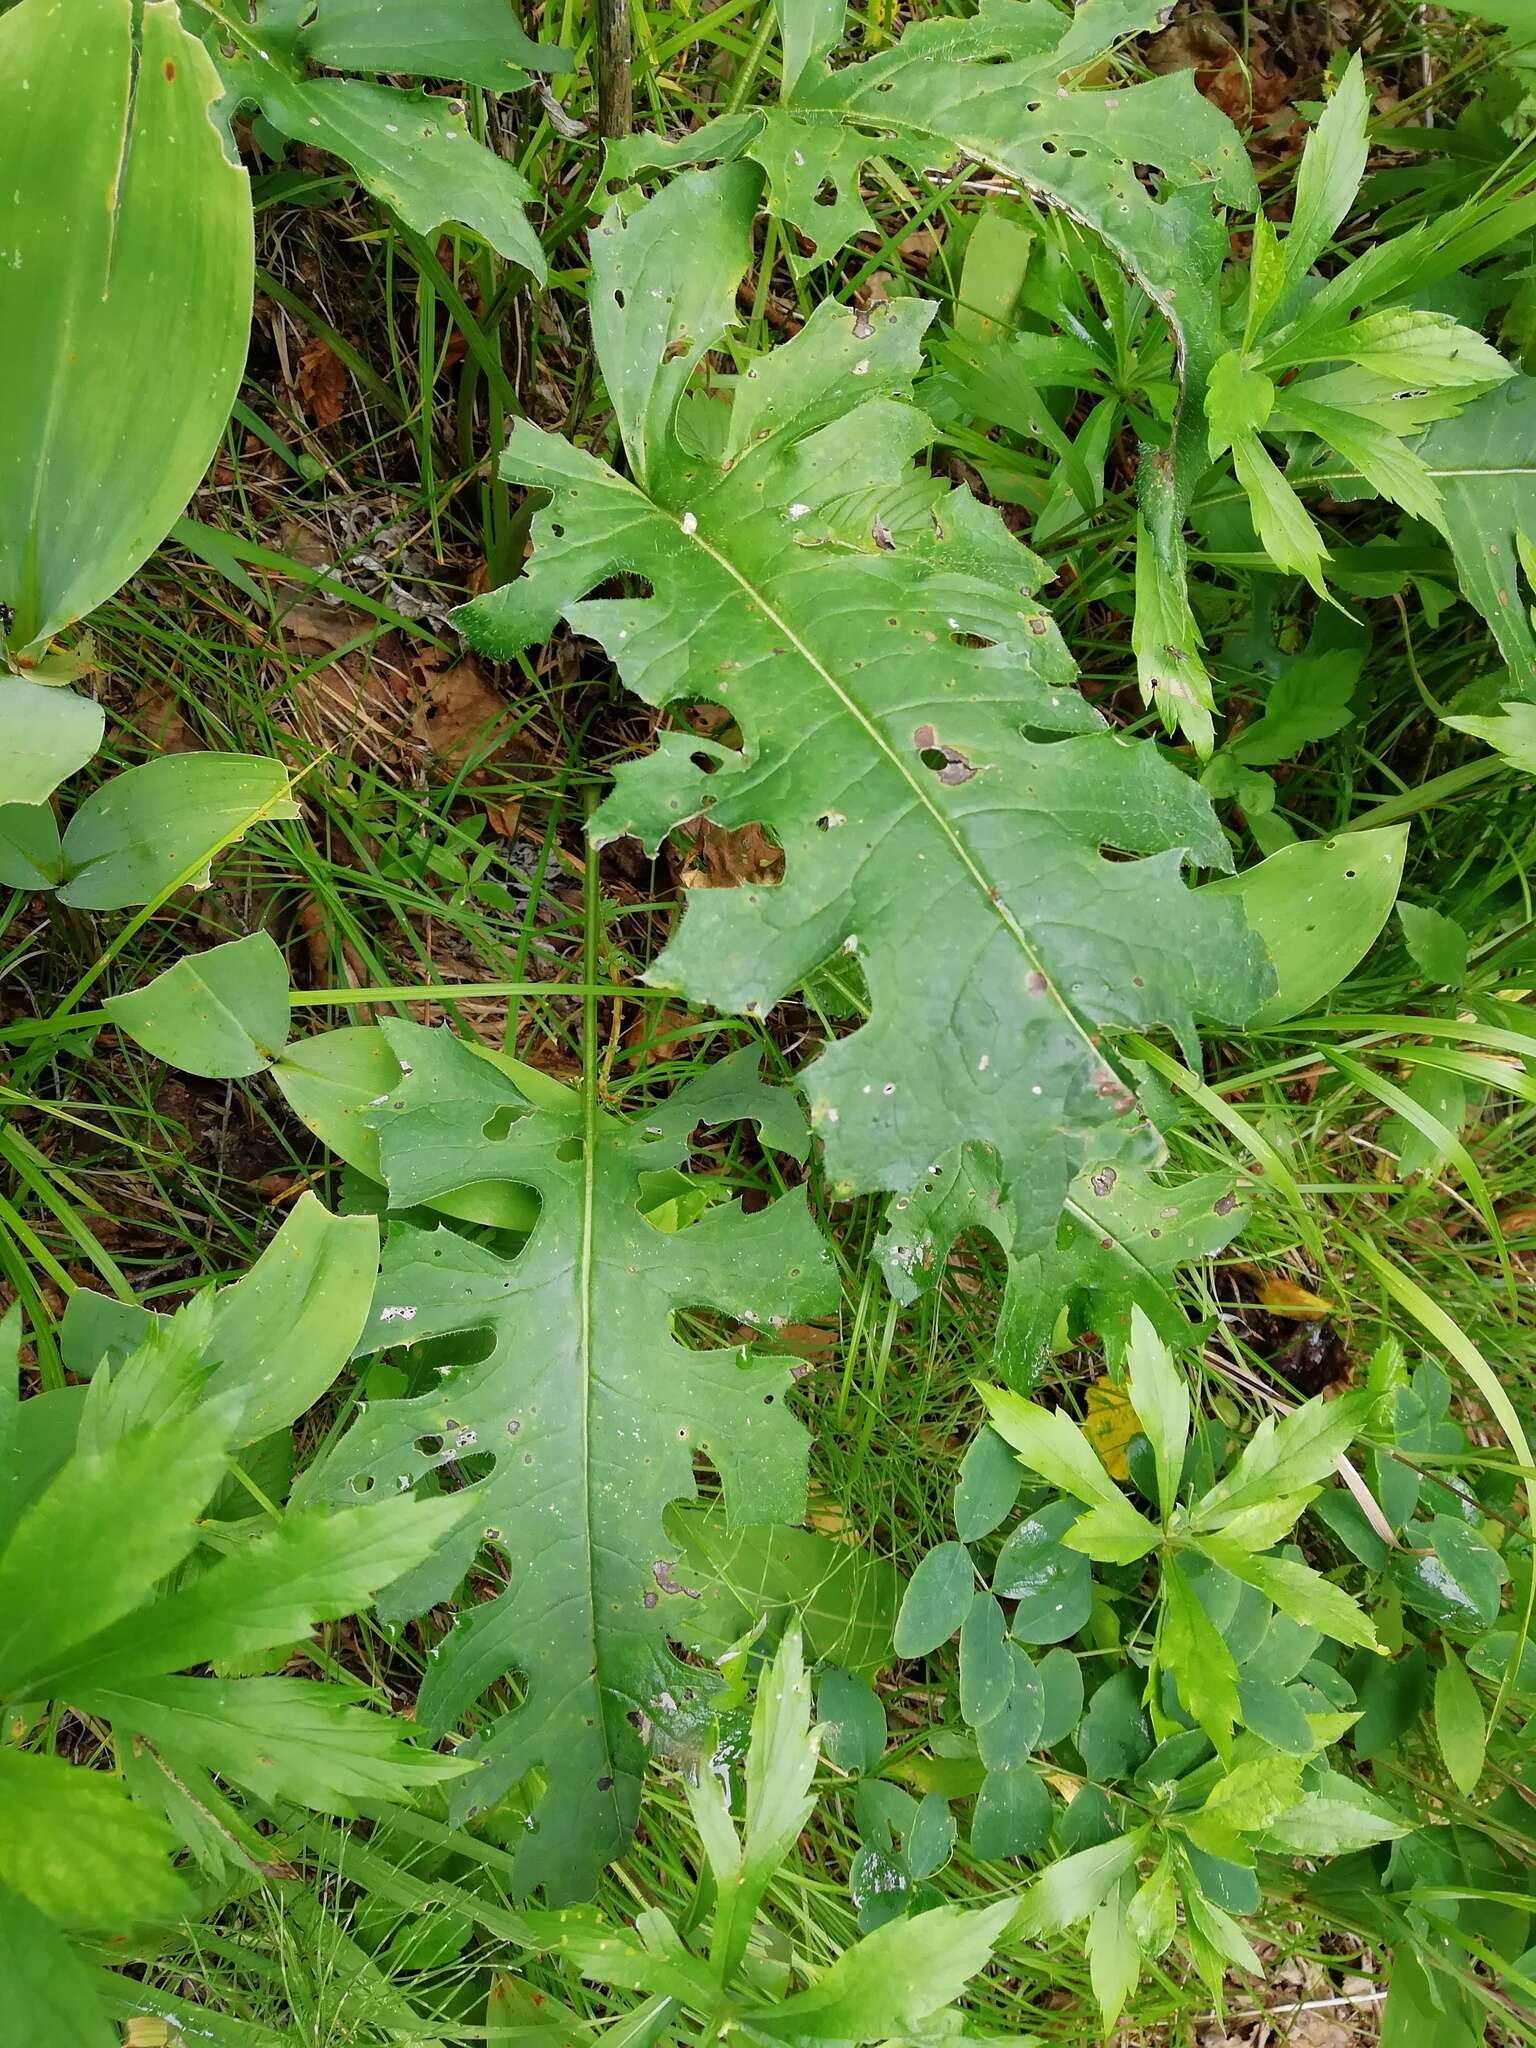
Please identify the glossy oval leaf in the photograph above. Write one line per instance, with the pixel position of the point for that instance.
(1052, 1585)
(1449, 1573)
(159, 826)
(990, 1478)
(124, 324)
(46, 732)
(1319, 907)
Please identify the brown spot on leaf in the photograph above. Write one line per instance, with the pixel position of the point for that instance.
(1103, 1180)
(664, 1572)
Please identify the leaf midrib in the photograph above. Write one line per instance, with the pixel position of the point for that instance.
(920, 794)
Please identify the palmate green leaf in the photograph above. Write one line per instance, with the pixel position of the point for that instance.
(310, 1566)
(781, 1762)
(281, 1738)
(1333, 1816)
(589, 1409)
(1332, 164)
(51, 1998)
(1121, 1238)
(1070, 1890)
(1285, 1457)
(94, 1543)
(75, 1845)
(1053, 1446)
(1114, 1954)
(413, 150)
(827, 596)
(1191, 1648)
(1298, 1591)
(1484, 463)
(123, 325)
(892, 1980)
(1160, 1400)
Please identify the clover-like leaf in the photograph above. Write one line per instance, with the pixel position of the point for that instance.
(571, 1383)
(904, 710)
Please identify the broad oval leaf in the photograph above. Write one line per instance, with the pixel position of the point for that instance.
(986, 1662)
(1052, 1585)
(589, 1412)
(123, 327)
(990, 1478)
(31, 856)
(1319, 907)
(46, 733)
(1012, 1816)
(937, 1601)
(873, 638)
(1009, 1735)
(1449, 1573)
(1112, 1737)
(223, 1013)
(159, 826)
(851, 1717)
(476, 42)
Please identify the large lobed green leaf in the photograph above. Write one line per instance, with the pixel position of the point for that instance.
(1009, 87)
(569, 1380)
(1121, 1238)
(909, 730)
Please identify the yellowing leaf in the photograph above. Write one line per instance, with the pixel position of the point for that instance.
(1109, 1424)
(1283, 1297)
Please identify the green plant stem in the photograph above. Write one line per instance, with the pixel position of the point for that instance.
(1454, 782)
(353, 998)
